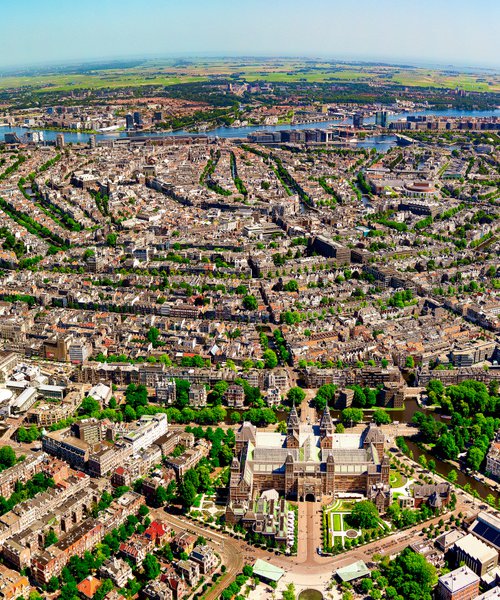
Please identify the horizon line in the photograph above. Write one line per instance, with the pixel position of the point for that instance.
(390, 62)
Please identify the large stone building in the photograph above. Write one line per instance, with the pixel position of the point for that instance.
(306, 463)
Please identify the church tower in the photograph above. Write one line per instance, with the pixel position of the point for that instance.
(292, 429)
(326, 428)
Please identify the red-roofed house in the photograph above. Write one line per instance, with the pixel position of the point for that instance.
(121, 476)
(157, 532)
(89, 586)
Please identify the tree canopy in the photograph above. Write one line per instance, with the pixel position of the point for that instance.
(411, 575)
(364, 515)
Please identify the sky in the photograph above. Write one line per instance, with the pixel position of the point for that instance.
(441, 32)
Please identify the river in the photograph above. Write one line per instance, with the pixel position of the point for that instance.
(381, 142)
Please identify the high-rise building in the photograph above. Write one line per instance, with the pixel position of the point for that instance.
(34, 137)
(381, 118)
(357, 120)
(158, 116)
(137, 118)
(11, 138)
(92, 141)
(60, 140)
(129, 120)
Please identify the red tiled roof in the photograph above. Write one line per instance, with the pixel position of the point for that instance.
(89, 586)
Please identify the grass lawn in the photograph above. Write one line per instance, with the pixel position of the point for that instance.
(396, 480)
(337, 522)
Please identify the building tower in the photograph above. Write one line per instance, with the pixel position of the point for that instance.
(60, 141)
(381, 118)
(234, 478)
(374, 435)
(326, 428)
(357, 120)
(292, 429)
(326, 423)
(290, 479)
(129, 121)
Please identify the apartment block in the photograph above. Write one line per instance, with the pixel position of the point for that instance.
(460, 584)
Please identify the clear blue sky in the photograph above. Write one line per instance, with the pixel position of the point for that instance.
(460, 32)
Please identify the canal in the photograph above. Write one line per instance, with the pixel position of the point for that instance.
(444, 468)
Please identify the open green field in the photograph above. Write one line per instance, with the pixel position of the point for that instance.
(98, 80)
(437, 79)
(164, 73)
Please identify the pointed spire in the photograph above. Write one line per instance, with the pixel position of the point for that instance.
(326, 423)
(293, 418)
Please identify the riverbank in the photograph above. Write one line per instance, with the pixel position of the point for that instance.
(243, 132)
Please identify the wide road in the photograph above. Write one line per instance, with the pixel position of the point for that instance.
(310, 515)
(234, 553)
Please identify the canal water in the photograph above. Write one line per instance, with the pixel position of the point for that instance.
(443, 468)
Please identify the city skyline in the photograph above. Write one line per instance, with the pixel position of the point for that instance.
(325, 29)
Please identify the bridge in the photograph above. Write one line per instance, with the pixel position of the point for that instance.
(404, 140)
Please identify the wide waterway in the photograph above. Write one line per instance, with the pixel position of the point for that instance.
(380, 142)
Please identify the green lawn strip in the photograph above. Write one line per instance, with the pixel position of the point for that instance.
(396, 480)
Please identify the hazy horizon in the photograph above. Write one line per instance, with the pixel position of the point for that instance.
(434, 32)
(361, 60)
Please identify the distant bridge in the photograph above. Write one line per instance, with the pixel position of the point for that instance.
(403, 140)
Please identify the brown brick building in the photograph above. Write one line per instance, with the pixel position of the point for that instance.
(305, 464)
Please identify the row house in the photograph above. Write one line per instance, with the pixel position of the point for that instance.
(117, 512)
(174, 581)
(26, 513)
(12, 584)
(116, 569)
(184, 542)
(234, 396)
(190, 571)
(135, 549)
(157, 590)
(50, 562)
(197, 396)
(187, 460)
(21, 472)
